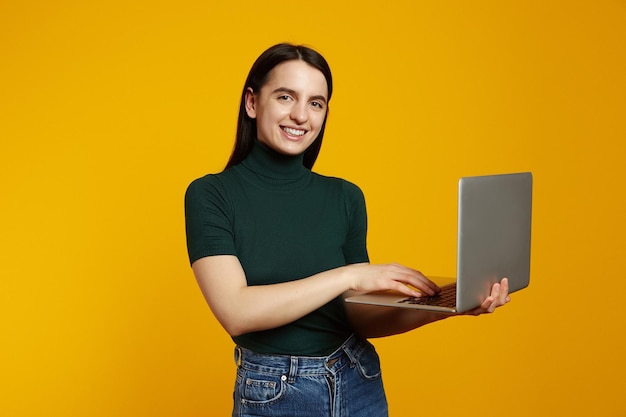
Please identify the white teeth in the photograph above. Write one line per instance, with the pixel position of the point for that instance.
(294, 132)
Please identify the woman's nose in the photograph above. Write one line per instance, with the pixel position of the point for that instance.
(299, 113)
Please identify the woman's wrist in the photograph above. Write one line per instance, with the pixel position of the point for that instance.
(350, 276)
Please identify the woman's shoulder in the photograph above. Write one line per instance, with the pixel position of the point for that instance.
(345, 186)
(209, 186)
(211, 180)
(203, 183)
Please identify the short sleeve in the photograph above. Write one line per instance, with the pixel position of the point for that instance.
(208, 219)
(355, 249)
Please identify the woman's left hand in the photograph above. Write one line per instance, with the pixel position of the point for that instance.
(499, 296)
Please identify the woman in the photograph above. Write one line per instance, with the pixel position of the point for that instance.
(276, 247)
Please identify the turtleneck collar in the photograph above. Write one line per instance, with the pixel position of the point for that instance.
(275, 169)
(265, 161)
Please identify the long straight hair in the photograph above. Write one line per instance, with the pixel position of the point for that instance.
(257, 77)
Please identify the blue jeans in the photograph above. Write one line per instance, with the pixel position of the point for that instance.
(346, 383)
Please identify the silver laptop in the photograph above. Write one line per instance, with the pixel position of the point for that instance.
(493, 242)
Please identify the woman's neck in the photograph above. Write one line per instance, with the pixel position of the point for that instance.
(265, 161)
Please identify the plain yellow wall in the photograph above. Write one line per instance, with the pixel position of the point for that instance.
(109, 109)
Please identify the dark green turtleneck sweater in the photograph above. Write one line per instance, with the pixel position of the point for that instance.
(283, 222)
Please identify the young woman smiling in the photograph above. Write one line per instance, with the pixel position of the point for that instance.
(276, 247)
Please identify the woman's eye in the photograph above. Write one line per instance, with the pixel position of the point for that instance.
(317, 104)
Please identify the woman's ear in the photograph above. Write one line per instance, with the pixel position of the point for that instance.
(250, 103)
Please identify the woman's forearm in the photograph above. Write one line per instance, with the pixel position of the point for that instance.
(243, 309)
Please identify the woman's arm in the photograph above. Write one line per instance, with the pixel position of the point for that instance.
(376, 321)
(242, 309)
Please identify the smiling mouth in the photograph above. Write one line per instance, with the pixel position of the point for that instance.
(293, 132)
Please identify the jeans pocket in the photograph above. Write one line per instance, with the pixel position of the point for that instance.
(259, 389)
(368, 363)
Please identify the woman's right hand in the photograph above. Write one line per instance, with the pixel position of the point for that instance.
(365, 277)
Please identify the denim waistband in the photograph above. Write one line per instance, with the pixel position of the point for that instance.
(347, 354)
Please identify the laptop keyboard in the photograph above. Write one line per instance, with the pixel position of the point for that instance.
(445, 298)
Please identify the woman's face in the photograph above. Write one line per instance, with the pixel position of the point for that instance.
(290, 108)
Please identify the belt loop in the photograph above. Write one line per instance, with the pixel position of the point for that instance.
(293, 368)
(348, 349)
(238, 356)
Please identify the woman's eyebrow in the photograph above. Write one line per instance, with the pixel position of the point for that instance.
(320, 98)
(294, 93)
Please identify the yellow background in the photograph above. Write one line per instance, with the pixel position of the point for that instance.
(108, 109)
